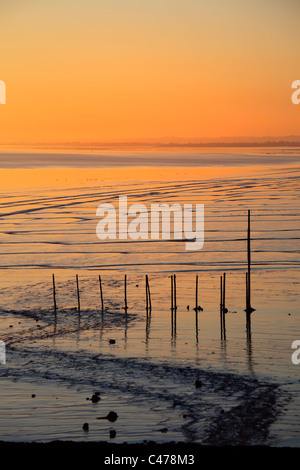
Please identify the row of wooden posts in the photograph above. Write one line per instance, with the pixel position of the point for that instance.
(148, 294)
(223, 309)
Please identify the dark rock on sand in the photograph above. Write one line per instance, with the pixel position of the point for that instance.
(85, 426)
(112, 416)
(198, 383)
(112, 341)
(163, 430)
(95, 398)
(112, 434)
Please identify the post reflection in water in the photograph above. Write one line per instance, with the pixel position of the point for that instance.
(78, 328)
(173, 309)
(249, 342)
(54, 328)
(125, 327)
(148, 327)
(174, 328)
(223, 325)
(197, 329)
(101, 326)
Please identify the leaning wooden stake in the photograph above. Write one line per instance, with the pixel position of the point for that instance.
(147, 307)
(101, 293)
(78, 294)
(148, 295)
(54, 292)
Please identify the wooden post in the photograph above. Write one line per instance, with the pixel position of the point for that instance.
(101, 294)
(150, 302)
(175, 297)
(224, 287)
(146, 294)
(221, 294)
(196, 298)
(78, 294)
(175, 305)
(248, 305)
(172, 294)
(249, 309)
(221, 305)
(54, 292)
(125, 292)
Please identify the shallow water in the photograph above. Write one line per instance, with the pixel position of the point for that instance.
(148, 376)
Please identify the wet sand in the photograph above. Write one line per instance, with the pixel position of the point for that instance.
(250, 386)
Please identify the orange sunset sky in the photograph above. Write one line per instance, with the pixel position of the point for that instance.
(109, 70)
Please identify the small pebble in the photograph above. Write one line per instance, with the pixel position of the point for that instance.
(33, 395)
(112, 341)
(112, 434)
(85, 426)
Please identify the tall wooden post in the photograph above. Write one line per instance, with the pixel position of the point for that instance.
(125, 292)
(54, 292)
(172, 294)
(101, 294)
(196, 296)
(248, 301)
(78, 294)
(175, 295)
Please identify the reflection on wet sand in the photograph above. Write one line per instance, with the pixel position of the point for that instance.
(64, 322)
